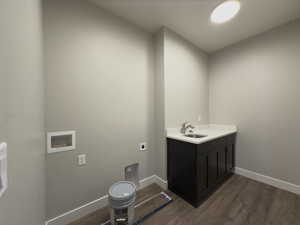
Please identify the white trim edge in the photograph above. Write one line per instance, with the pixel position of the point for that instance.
(147, 181)
(269, 180)
(161, 182)
(90, 207)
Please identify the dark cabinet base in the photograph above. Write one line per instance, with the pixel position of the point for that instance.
(196, 171)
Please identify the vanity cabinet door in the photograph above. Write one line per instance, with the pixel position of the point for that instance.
(182, 169)
(217, 162)
(221, 148)
(230, 154)
(212, 168)
(202, 167)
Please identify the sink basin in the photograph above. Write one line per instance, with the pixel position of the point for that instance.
(195, 135)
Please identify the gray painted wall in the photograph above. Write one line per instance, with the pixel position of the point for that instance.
(186, 81)
(160, 141)
(255, 85)
(21, 121)
(181, 88)
(3, 81)
(100, 82)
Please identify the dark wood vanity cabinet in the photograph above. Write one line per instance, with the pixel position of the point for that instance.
(195, 171)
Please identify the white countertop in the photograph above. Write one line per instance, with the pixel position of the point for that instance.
(211, 131)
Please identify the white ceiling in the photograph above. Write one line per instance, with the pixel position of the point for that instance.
(190, 18)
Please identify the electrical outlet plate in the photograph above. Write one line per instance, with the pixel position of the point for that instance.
(81, 159)
(143, 146)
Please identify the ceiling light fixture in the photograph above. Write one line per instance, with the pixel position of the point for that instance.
(225, 11)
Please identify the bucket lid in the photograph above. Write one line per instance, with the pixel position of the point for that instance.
(122, 193)
(122, 190)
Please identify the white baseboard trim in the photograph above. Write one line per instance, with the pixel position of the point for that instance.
(269, 180)
(79, 212)
(161, 182)
(90, 207)
(147, 181)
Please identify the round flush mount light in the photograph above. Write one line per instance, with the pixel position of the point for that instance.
(225, 11)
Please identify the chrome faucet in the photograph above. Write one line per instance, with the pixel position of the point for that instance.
(185, 126)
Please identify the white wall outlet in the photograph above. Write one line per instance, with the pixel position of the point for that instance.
(81, 159)
(143, 146)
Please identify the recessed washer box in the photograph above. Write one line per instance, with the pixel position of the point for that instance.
(61, 141)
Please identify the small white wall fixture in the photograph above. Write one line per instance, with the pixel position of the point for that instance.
(61, 141)
(3, 168)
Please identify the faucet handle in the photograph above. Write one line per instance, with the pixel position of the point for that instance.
(186, 123)
(185, 126)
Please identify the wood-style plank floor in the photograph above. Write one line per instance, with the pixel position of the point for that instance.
(240, 201)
